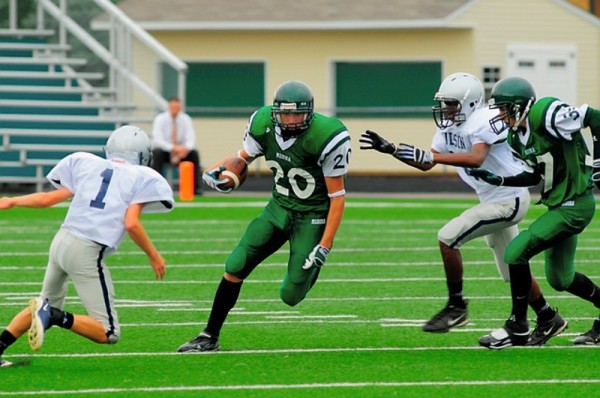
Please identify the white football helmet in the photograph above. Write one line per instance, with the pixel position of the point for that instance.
(129, 143)
(458, 97)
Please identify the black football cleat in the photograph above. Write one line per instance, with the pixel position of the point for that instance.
(591, 337)
(545, 330)
(204, 342)
(511, 334)
(449, 317)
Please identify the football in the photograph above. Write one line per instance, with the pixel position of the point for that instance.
(236, 171)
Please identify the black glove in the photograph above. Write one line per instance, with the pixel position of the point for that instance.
(374, 141)
(413, 154)
(487, 176)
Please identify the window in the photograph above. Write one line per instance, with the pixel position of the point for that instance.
(386, 89)
(216, 89)
(491, 74)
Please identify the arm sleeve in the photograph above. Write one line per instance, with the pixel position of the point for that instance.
(250, 144)
(438, 143)
(563, 120)
(154, 192)
(61, 175)
(524, 179)
(336, 156)
(592, 120)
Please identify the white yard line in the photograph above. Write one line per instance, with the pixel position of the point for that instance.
(302, 386)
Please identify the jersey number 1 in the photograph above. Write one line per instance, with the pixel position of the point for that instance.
(98, 201)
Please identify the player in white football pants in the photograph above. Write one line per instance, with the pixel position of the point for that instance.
(108, 198)
(465, 139)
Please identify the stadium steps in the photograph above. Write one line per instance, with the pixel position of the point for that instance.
(49, 110)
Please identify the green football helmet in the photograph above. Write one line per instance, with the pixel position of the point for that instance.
(294, 97)
(514, 96)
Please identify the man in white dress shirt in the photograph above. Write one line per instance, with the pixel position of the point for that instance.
(108, 197)
(174, 141)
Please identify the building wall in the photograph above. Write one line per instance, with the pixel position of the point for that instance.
(498, 24)
(309, 56)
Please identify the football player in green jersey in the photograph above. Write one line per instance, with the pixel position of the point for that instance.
(308, 154)
(547, 135)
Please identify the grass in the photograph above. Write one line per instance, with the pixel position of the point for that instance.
(357, 334)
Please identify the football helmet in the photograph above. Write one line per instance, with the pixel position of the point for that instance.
(514, 96)
(129, 143)
(458, 97)
(292, 97)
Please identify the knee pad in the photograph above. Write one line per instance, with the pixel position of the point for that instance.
(290, 295)
(521, 248)
(236, 261)
(447, 236)
(558, 283)
(113, 338)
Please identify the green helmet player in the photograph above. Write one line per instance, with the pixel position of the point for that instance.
(546, 134)
(293, 97)
(308, 154)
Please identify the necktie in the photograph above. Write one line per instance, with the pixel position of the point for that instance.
(174, 158)
(174, 132)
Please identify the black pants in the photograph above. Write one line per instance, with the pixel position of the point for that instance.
(160, 158)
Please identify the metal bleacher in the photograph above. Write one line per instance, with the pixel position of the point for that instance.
(45, 113)
(49, 109)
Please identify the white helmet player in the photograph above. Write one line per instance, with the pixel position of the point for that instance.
(129, 143)
(458, 97)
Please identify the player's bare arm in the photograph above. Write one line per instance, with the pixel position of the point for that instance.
(335, 185)
(336, 192)
(474, 158)
(137, 232)
(36, 200)
(243, 154)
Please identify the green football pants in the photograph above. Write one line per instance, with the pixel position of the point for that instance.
(266, 234)
(555, 234)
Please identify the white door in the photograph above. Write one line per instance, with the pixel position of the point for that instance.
(551, 69)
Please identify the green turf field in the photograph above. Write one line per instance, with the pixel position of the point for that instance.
(356, 335)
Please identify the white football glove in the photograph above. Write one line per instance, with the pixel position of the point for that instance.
(412, 153)
(316, 258)
(211, 178)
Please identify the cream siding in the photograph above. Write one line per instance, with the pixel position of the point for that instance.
(536, 22)
(488, 26)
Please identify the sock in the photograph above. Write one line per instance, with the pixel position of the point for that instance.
(455, 294)
(6, 339)
(61, 318)
(583, 287)
(225, 299)
(520, 283)
(542, 309)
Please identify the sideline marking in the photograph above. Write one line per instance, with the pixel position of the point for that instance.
(304, 386)
(295, 351)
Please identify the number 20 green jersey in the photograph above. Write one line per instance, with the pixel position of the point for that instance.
(300, 164)
(555, 147)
